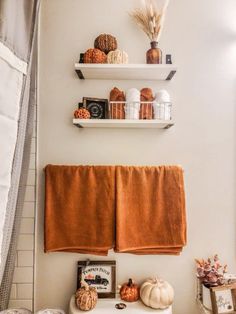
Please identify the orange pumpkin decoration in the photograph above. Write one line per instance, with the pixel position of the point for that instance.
(94, 55)
(82, 113)
(129, 292)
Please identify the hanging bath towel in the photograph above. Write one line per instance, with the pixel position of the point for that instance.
(79, 209)
(150, 210)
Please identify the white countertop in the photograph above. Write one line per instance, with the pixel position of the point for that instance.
(108, 306)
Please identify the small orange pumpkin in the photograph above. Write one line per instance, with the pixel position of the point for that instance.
(129, 292)
(81, 113)
(94, 55)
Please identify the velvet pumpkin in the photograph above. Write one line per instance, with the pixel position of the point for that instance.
(86, 297)
(93, 55)
(129, 292)
(157, 293)
(106, 43)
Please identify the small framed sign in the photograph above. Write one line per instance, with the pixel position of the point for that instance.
(97, 107)
(223, 299)
(99, 274)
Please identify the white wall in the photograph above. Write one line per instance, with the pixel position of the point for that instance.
(201, 36)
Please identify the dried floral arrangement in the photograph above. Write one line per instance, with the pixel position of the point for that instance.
(211, 272)
(150, 18)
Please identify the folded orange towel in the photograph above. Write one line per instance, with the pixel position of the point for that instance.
(146, 109)
(117, 110)
(150, 210)
(79, 209)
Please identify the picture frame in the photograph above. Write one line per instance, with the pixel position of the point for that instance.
(98, 274)
(220, 299)
(98, 107)
(223, 299)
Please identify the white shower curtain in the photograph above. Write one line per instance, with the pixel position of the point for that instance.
(11, 82)
(17, 102)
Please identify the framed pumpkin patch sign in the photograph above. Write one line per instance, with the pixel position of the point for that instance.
(100, 275)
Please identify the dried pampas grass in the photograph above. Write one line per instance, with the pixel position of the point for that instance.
(150, 17)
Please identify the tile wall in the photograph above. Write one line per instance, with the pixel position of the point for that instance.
(22, 286)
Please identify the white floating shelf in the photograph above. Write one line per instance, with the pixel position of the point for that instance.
(164, 72)
(129, 124)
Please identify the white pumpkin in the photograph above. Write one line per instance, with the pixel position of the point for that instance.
(157, 293)
(117, 57)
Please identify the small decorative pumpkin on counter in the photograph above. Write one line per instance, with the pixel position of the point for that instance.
(86, 297)
(129, 292)
(106, 43)
(117, 57)
(82, 113)
(94, 55)
(157, 293)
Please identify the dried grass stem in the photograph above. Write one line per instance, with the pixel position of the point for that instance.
(150, 19)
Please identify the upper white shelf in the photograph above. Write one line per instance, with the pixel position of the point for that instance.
(164, 72)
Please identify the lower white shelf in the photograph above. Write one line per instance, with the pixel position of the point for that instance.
(113, 123)
(108, 306)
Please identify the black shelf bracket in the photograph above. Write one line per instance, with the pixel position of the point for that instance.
(80, 74)
(169, 77)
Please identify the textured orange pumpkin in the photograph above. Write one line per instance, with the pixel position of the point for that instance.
(95, 56)
(82, 113)
(106, 43)
(129, 292)
(86, 297)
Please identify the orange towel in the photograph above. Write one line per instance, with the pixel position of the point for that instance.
(146, 109)
(79, 209)
(117, 110)
(150, 210)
